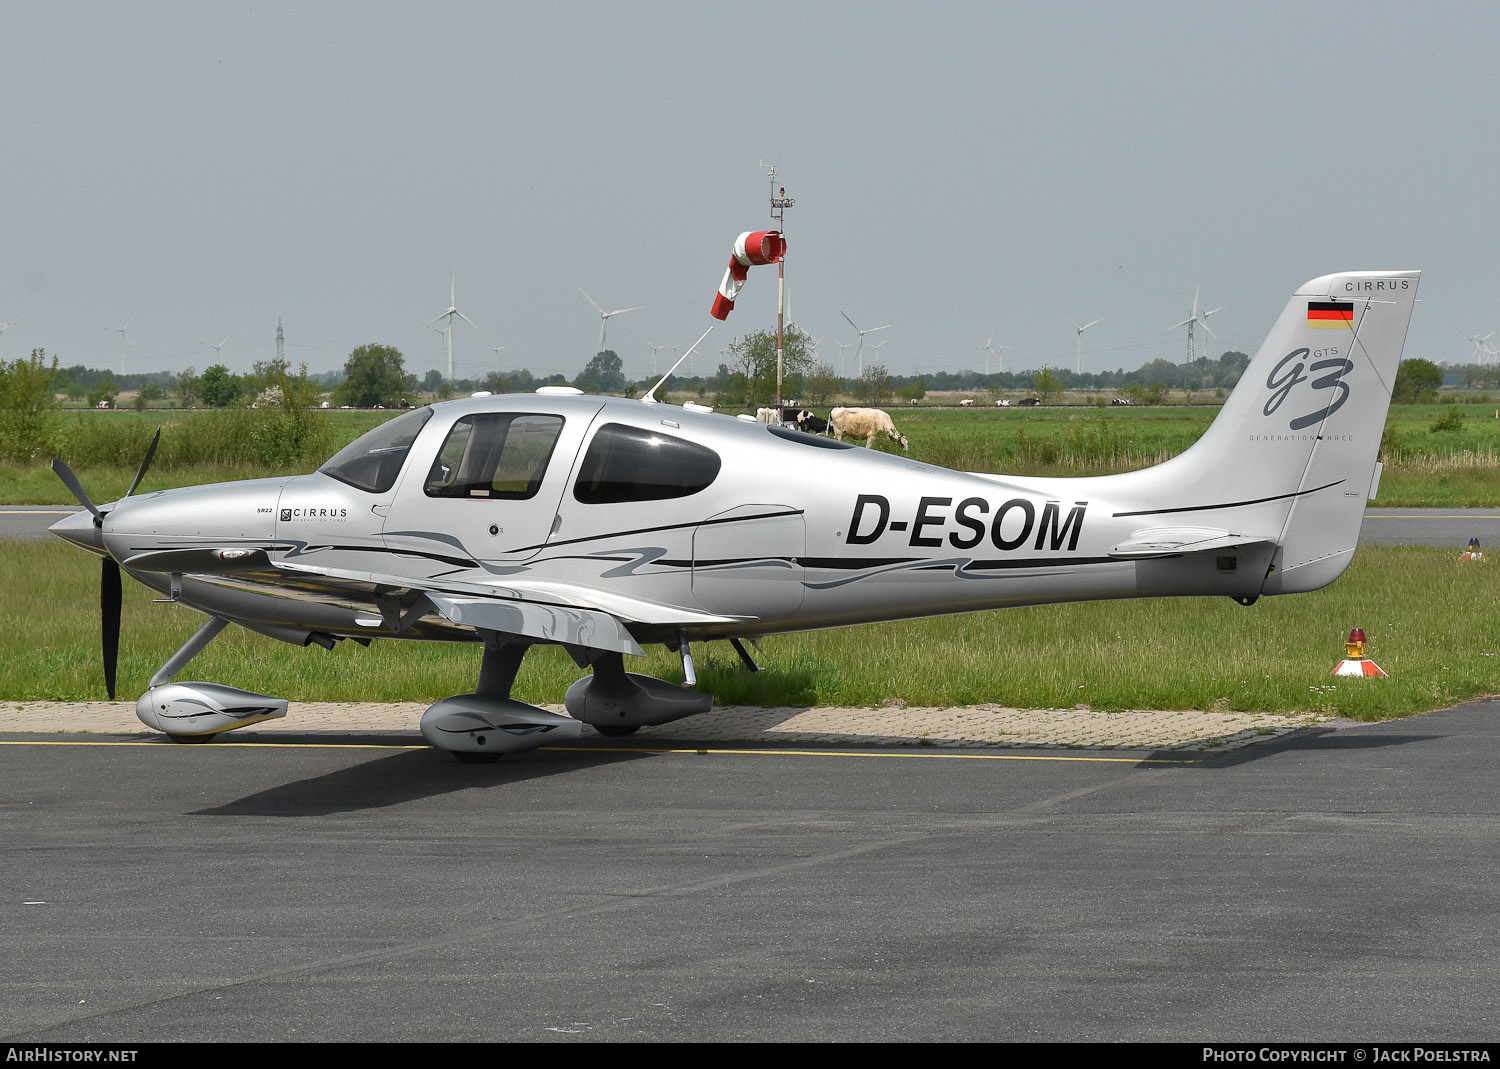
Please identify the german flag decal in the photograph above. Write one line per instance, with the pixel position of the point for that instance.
(1330, 315)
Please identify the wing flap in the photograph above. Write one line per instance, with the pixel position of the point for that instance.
(548, 623)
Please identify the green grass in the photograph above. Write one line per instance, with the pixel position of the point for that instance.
(1429, 618)
(1423, 467)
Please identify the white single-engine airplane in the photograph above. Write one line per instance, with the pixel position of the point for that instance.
(602, 524)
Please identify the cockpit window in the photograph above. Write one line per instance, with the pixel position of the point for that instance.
(373, 460)
(494, 455)
(631, 464)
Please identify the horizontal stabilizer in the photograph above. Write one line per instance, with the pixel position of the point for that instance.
(1175, 541)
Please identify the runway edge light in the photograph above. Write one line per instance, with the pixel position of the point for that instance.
(1355, 663)
(1472, 553)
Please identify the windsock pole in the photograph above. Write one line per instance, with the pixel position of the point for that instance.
(779, 205)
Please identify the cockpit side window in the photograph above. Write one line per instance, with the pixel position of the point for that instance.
(630, 464)
(494, 455)
(373, 460)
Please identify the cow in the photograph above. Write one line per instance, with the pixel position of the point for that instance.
(864, 423)
(967, 402)
(1002, 403)
(767, 415)
(812, 424)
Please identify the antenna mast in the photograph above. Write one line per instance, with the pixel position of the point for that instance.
(280, 343)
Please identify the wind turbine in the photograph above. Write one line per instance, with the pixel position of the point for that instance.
(604, 317)
(4, 327)
(656, 349)
(124, 341)
(447, 330)
(1196, 319)
(991, 351)
(219, 349)
(859, 361)
(1079, 359)
(1482, 347)
(842, 346)
(497, 350)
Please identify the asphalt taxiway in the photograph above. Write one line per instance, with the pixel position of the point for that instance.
(1336, 882)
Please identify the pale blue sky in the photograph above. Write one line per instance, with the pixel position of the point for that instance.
(199, 169)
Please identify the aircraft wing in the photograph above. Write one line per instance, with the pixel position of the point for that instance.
(550, 611)
(1175, 541)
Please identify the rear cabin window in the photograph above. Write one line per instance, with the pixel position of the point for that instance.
(373, 460)
(631, 464)
(494, 455)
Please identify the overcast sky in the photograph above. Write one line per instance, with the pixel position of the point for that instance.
(197, 170)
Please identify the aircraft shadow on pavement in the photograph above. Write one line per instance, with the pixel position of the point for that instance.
(411, 775)
(1316, 738)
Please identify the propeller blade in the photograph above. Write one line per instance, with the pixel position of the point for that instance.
(70, 480)
(591, 300)
(140, 473)
(109, 619)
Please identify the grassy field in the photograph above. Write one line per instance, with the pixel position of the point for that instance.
(1424, 611)
(1427, 463)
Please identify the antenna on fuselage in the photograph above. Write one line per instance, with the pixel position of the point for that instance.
(650, 398)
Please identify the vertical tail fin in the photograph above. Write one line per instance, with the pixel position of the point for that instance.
(1292, 454)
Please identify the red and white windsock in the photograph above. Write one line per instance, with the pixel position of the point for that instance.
(751, 248)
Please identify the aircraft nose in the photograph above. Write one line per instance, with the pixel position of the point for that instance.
(80, 530)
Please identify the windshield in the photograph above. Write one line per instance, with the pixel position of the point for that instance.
(373, 460)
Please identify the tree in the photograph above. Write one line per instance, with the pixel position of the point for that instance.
(218, 388)
(874, 386)
(188, 385)
(1417, 380)
(754, 356)
(1046, 385)
(373, 375)
(103, 395)
(913, 391)
(602, 374)
(27, 401)
(820, 385)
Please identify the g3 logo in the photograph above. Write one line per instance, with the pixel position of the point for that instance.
(1283, 378)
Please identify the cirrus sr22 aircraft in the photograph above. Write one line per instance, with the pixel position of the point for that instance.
(603, 524)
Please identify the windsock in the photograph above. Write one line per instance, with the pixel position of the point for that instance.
(750, 248)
